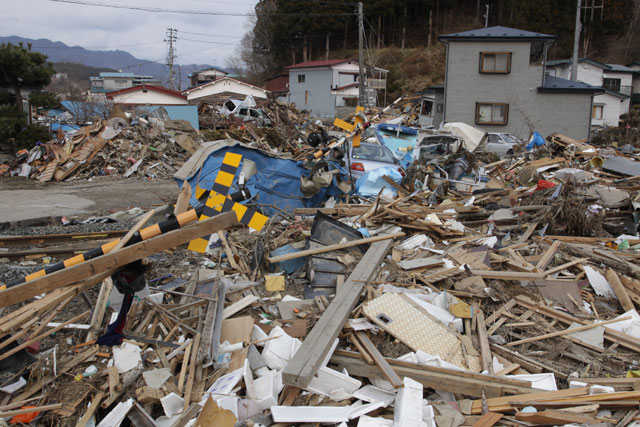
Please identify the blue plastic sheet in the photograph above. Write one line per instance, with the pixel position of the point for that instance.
(275, 185)
(370, 184)
(397, 142)
(536, 141)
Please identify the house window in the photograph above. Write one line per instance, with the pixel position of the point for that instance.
(536, 53)
(351, 102)
(597, 111)
(300, 78)
(495, 62)
(492, 114)
(611, 84)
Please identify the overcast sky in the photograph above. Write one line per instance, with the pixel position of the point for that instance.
(137, 32)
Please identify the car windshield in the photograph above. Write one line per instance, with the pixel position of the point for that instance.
(376, 153)
(510, 138)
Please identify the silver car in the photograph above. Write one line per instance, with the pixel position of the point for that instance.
(502, 143)
(368, 157)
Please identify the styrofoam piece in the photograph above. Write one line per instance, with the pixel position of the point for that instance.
(223, 385)
(310, 414)
(593, 336)
(593, 388)
(258, 335)
(543, 381)
(247, 408)
(327, 381)
(248, 380)
(126, 357)
(598, 282)
(266, 391)
(408, 406)
(287, 298)
(415, 241)
(440, 313)
(278, 351)
(155, 378)
(172, 404)
(363, 409)
(409, 357)
(361, 324)
(434, 360)
(629, 327)
(370, 393)
(230, 403)
(15, 386)
(428, 416)
(117, 414)
(365, 421)
(383, 384)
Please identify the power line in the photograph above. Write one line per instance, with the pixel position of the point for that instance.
(211, 35)
(208, 42)
(190, 12)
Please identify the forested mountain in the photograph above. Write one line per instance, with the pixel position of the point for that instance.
(289, 31)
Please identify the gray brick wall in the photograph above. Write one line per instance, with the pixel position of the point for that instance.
(568, 114)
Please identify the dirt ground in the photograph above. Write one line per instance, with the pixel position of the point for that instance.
(22, 199)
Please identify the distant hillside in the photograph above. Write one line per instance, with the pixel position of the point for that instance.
(111, 59)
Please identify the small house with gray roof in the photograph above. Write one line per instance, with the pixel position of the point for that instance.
(495, 80)
(615, 79)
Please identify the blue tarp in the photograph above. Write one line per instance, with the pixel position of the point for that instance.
(177, 112)
(65, 127)
(54, 112)
(370, 184)
(396, 138)
(276, 183)
(536, 141)
(84, 110)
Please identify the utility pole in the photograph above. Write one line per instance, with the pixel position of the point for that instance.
(486, 15)
(361, 54)
(172, 37)
(576, 43)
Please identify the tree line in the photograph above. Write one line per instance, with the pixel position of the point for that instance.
(290, 31)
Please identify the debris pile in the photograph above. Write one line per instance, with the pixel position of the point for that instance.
(476, 293)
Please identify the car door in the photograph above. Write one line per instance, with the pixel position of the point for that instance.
(496, 145)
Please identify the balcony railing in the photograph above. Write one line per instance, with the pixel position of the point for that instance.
(377, 83)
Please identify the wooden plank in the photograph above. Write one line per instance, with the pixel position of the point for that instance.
(566, 331)
(185, 365)
(466, 383)
(499, 403)
(126, 255)
(620, 291)
(554, 417)
(488, 420)
(107, 285)
(114, 380)
(507, 275)
(361, 349)
(95, 403)
(307, 360)
(525, 236)
(485, 351)
(329, 248)
(239, 306)
(44, 408)
(192, 372)
(379, 360)
(548, 255)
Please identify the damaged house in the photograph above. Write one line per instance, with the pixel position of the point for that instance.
(495, 80)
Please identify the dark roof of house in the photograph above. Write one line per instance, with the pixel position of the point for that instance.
(556, 84)
(497, 33)
(620, 68)
(633, 63)
(556, 62)
(614, 93)
(314, 64)
(148, 87)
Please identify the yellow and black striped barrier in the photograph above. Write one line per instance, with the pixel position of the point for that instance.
(218, 200)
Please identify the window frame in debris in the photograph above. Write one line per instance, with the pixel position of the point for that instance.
(483, 55)
(536, 58)
(594, 109)
(301, 78)
(493, 105)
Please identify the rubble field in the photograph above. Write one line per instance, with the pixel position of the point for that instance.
(503, 292)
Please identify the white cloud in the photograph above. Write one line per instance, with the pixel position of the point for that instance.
(137, 32)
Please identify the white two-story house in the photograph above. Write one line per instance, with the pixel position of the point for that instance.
(330, 87)
(615, 79)
(495, 80)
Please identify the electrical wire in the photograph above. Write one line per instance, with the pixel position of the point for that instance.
(189, 12)
(96, 47)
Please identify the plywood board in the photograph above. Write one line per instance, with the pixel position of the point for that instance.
(416, 328)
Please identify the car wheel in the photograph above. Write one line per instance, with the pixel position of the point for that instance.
(510, 153)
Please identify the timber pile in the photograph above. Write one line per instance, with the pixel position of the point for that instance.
(516, 305)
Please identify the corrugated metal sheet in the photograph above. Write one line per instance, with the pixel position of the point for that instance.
(599, 283)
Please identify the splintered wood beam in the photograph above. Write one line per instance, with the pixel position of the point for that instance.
(76, 273)
(379, 360)
(307, 360)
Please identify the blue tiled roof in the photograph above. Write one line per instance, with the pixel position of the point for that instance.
(556, 84)
(82, 109)
(496, 33)
(620, 68)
